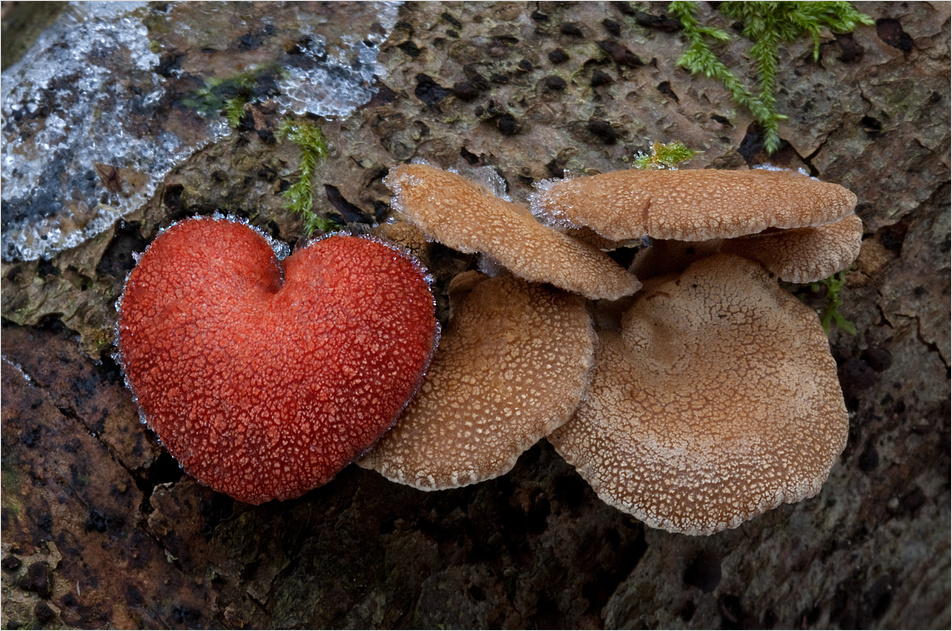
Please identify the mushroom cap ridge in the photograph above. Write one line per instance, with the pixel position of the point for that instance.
(719, 400)
(803, 255)
(511, 367)
(797, 255)
(466, 217)
(693, 204)
(262, 377)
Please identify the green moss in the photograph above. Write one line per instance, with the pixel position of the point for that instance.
(830, 313)
(228, 96)
(210, 100)
(767, 25)
(664, 156)
(309, 138)
(11, 476)
(234, 111)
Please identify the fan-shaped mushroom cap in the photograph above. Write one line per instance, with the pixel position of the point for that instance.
(511, 367)
(803, 255)
(797, 255)
(692, 205)
(719, 400)
(466, 217)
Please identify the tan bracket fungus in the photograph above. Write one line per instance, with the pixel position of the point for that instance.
(511, 367)
(803, 255)
(799, 228)
(466, 217)
(718, 400)
(797, 255)
(691, 205)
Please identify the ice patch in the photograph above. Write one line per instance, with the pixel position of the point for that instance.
(487, 177)
(336, 84)
(89, 128)
(19, 369)
(770, 167)
(546, 210)
(84, 94)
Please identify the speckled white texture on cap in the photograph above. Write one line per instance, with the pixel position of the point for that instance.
(466, 217)
(692, 205)
(511, 367)
(717, 401)
(803, 255)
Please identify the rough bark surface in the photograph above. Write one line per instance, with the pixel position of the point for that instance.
(100, 527)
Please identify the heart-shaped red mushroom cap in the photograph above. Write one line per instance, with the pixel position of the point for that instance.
(263, 377)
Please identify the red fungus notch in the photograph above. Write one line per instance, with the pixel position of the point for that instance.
(263, 377)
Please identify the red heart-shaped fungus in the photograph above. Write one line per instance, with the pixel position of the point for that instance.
(264, 378)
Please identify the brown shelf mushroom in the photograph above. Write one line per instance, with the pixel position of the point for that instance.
(464, 216)
(798, 255)
(803, 255)
(692, 205)
(510, 368)
(717, 401)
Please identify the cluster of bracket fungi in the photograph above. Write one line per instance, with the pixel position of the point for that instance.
(697, 402)
(691, 391)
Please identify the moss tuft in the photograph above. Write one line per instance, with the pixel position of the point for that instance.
(309, 138)
(830, 314)
(767, 25)
(229, 96)
(664, 156)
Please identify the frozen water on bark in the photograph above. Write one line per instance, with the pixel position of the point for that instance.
(341, 80)
(86, 94)
(91, 123)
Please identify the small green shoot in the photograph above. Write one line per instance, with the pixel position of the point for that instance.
(767, 25)
(664, 156)
(309, 138)
(215, 95)
(830, 314)
(229, 96)
(235, 111)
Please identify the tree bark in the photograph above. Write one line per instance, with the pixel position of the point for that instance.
(101, 528)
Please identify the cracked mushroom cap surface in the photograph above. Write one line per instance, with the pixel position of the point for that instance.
(716, 402)
(797, 255)
(803, 255)
(691, 205)
(466, 217)
(510, 368)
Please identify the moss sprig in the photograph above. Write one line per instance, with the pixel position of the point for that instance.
(767, 25)
(312, 143)
(830, 314)
(234, 111)
(665, 156)
(229, 96)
